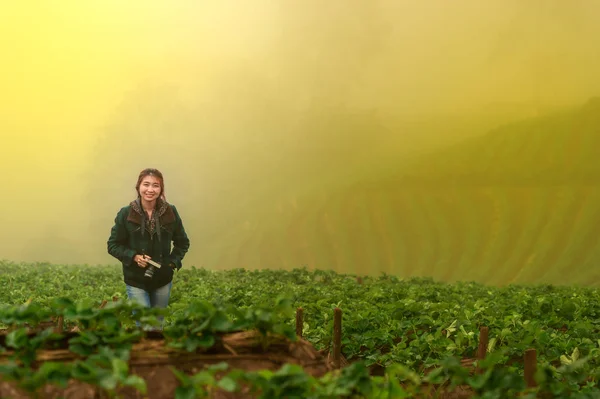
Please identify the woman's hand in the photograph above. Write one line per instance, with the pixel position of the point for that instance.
(141, 260)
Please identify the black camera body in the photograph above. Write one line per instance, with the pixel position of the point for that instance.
(151, 268)
(149, 273)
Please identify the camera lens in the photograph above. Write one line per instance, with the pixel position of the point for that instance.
(149, 271)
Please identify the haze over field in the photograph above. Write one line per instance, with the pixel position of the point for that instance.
(263, 114)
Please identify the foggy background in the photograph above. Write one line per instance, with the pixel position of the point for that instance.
(252, 109)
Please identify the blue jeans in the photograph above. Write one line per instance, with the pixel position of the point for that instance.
(158, 298)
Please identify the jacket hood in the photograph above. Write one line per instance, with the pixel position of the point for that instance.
(162, 214)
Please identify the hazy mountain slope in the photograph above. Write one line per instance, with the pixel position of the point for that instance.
(562, 148)
(516, 205)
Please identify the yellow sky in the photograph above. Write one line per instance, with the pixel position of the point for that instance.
(68, 66)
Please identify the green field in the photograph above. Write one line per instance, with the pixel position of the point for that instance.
(389, 325)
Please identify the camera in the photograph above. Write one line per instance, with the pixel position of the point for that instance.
(149, 271)
(152, 266)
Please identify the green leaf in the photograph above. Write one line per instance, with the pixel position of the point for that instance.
(221, 366)
(220, 322)
(107, 381)
(185, 392)
(55, 373)
(120, 367)
(136, 382)
(227, 384)
(17, 338)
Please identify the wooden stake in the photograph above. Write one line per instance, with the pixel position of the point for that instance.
(530, 367)
(483, 344)
(337, 337)
(60, 324)
(299, 321)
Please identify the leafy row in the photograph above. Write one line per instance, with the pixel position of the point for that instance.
(198, 325)
(103, 346)
(110, 371)
(354, 381)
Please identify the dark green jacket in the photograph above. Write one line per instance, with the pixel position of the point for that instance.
(132, 233)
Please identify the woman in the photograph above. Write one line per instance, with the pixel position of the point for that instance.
(143, 231)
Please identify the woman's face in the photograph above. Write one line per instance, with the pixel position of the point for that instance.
(150, 188)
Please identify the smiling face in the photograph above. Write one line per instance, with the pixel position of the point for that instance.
(150, 188)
